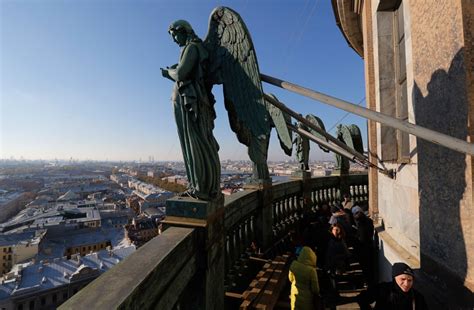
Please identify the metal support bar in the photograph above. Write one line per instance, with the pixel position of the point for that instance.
(418, 131)
(326, 144)
(336, 149)
(303, 120)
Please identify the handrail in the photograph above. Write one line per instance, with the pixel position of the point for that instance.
(238, 206)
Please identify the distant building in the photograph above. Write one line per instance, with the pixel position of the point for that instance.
(116, 218)
(142, 230)
(320, 172)
(17, 248)
(133, 203)
(69, 195)
(121, 179)
(71, 215)
(66, 244)
(48, 284)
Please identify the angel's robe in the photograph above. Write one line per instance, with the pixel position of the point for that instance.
(194, 115)
(302, 149)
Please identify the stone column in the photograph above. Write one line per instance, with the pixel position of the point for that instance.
(304, 176)
(264, 218)
(206, 291)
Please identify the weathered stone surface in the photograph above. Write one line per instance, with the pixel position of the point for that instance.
(189, 207)
(145, 277)
(238, 206)
(206, 289)
(443, 102)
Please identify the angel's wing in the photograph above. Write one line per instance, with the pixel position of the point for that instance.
(279, 121)
(233, 63)
(318, 123)
(344, 134)
(356, 138)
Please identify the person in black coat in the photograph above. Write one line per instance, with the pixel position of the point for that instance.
(396, 295)
(364, 243)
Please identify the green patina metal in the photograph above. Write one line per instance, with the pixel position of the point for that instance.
(227, 56)
(318, 123)
(279, 121)
(352, 137)
(302, 148)
(188, 208)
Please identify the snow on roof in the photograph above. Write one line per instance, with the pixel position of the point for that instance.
(47, 275)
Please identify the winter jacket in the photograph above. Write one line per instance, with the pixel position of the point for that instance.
(304, 280)
(389, 296)
(337, 254)
(365, 230)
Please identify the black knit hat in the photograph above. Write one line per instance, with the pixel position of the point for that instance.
(401, 268)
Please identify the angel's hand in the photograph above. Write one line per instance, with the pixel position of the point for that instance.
(165, 73)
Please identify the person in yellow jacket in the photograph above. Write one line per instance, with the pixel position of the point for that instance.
(304, 281)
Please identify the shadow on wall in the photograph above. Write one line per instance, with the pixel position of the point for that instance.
(441, 174)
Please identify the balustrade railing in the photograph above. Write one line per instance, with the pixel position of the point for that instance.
(160, 271)
(240, 211)
(287, 207)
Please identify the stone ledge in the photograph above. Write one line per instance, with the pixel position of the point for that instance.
(145, 276)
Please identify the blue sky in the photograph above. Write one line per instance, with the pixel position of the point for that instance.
(81, 78)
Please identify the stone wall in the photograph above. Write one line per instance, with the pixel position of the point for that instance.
(397, 198)
(441, 66)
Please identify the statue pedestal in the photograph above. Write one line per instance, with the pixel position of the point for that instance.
(207, 217)
(192, 212)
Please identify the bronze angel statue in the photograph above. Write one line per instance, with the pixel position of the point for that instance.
(352, 137)
(226, 57)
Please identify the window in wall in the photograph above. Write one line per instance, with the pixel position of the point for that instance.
(55, 298)
(403, 140)
(32, 305)
(394, 143)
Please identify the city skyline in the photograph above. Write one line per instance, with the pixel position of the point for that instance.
(81, 80)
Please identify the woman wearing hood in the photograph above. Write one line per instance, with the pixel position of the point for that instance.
(397, 295)
(304, 281)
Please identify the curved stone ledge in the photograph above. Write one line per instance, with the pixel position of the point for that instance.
(155, 274)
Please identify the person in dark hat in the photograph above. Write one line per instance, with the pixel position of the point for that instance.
(396, 295)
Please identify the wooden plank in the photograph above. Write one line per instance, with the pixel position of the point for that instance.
(274, 286)
(265, 289)
(233, 295)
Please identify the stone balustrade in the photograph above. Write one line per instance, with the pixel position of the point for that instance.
(167, 272)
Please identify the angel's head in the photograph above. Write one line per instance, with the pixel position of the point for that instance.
(181, 31)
